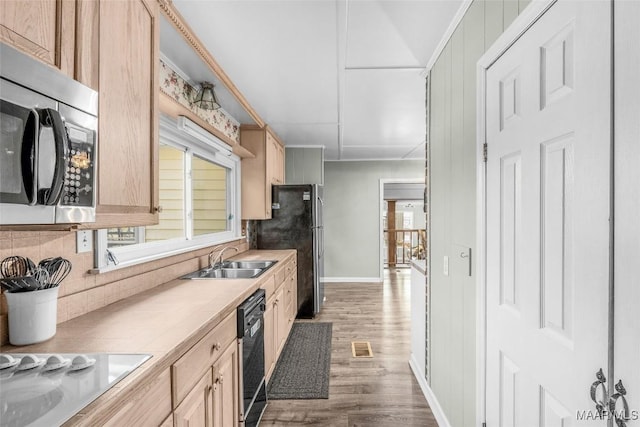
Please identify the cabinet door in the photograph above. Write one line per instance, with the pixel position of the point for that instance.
(196, 410)
(280, 164)
(292, 299)
(281, 314)
(275, 161)
(271, 154)
(256, 178)
(270, 332)
(128, 123)
(225, 388)
(43, 29)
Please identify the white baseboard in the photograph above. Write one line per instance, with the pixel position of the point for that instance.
(436, 409)
(351, 280)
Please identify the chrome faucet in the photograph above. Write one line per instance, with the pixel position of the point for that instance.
(219, 260)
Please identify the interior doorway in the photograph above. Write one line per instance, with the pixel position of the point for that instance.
(402, 222)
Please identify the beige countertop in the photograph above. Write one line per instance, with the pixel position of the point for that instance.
(164, 322)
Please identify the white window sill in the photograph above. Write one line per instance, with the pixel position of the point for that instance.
(157, 256)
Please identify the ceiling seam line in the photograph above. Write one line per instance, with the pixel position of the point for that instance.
(339, 70)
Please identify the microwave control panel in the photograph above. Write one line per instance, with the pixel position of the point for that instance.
(79, 177)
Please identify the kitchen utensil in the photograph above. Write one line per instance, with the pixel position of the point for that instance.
(20, 284)
(58, 269)
(16, 266)
(42, 276)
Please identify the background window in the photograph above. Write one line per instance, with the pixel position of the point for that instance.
(209, 197)
(199, 182)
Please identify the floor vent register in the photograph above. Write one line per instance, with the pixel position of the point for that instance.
(361, 349)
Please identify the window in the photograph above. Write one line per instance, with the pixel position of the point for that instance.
(198, 190)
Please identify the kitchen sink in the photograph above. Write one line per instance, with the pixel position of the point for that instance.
(248, 264)
(232, 270)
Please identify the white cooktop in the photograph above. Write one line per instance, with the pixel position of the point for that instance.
(48, 389)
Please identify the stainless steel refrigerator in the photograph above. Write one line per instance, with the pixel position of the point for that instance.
(296, 223)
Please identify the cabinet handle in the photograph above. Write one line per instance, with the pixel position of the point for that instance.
(215, 347)
(158, 209)
(207, 393)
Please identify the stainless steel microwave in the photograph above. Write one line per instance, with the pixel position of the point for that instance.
(48, 144)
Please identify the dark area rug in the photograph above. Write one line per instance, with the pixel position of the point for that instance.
(302, 371)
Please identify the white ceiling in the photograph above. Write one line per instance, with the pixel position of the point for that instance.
(343, 74)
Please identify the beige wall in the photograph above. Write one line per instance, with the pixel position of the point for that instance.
(453, 205)
(82, 292)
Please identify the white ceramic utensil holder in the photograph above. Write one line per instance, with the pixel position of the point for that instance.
(32, 315)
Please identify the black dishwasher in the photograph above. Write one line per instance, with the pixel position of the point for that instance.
(251, 334)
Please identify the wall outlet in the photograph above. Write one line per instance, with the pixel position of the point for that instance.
(84, 241)
(445, 267)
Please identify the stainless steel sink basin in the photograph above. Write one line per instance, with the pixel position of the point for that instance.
(224, 273)
(232, 270)
(248, 264)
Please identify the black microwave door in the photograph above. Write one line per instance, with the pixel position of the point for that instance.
(19, 130)
(52, 158)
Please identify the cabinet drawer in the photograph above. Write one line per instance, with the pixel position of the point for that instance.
(149, 407)
(189, 368)
(291, 267)
(269, 286)
(281, 275)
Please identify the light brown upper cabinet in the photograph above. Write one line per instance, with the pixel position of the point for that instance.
(261, 172)
(43, 29)
(118, 51)
(112, 47)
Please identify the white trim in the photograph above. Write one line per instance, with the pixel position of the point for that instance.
(519, 26)
(432, 400)
(526, 19)
(351, 280)
(457, 18)
(154, 257)
(481, 299)
(382, 182)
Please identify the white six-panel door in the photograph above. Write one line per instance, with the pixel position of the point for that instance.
(547, 200)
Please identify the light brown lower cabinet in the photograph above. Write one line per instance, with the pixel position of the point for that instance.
(195, 410)
(269, 339)
(281, 311)
(225, 388)
(213, 402)
(282, 329)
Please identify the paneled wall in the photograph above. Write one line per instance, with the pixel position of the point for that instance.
(453, 206)
(304, 165)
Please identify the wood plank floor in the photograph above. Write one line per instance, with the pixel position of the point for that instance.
(380, 391)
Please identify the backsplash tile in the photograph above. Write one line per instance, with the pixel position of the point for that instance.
(82, 292)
